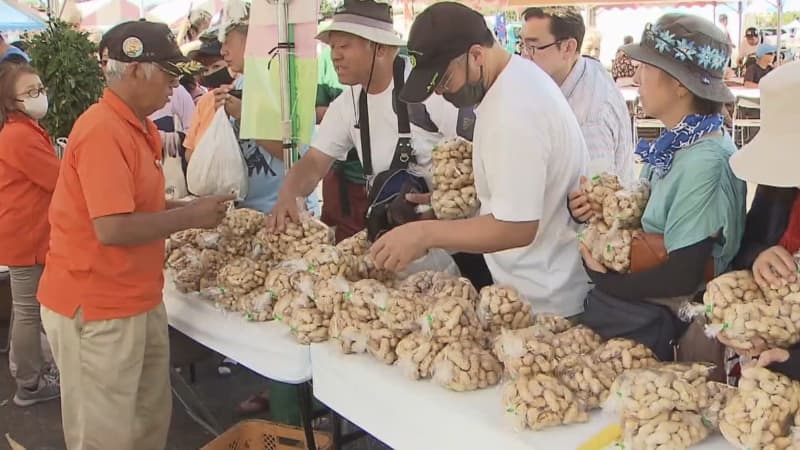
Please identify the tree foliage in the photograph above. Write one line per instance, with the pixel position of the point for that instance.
(67, 62)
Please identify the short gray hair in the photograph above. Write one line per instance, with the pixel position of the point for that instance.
(115, 70)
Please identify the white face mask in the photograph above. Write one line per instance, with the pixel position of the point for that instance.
(36, 108)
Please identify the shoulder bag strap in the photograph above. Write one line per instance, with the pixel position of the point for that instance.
(403, 153)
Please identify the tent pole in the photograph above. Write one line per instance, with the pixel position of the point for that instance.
(283, 68)
(780, 31)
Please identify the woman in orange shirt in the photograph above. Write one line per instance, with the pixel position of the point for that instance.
(28, 173)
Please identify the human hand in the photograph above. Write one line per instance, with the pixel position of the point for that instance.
(579, 205)
(399, 247)
(775, 355)
(751, 349)
(774, 266)
(424, 201)
(207, 212)
(589, 260)
(284, 212)
(221, 94)
(233, 106)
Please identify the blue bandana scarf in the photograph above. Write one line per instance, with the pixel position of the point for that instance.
(659, 153)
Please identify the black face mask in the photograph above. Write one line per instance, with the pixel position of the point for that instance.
(470, 94)
(217, 79)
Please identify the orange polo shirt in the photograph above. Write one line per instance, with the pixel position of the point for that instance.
(112, 165)
(201, 119)
(28, 173)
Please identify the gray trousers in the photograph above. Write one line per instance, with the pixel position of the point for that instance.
(26, 329)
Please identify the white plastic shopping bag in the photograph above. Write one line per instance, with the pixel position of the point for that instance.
(174, 181)
(217, 166)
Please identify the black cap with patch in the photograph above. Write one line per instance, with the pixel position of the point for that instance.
(143, 41)
(441, 33)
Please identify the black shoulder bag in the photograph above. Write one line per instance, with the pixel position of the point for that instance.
(386, 190)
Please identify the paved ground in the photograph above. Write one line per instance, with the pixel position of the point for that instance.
(39, 427)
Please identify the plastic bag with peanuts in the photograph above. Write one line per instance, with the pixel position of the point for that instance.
(542, 401)
(454, 195)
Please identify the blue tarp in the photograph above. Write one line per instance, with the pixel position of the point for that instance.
(12, 19)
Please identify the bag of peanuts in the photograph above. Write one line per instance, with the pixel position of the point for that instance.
(279, 280)
(503, 307)
(451, 319)
(363, 267)
(243, 222)
(759, 415)
(720, 394)
(326, 261)
(466, 366)
(610, 246)
(382, 341)
(527, 351)
(402, 311)
(626, 207)
(645, 393)
(257, 305)
(330, 293)
(788, 289)
(240, 277)
(552, 323)
(542, 401)
(283, 308)
(590, 381)
(459, 287)
(597, 189)
(296, 240)
(454, 195)
(186, 265)
(673, 430)
(575, 341)
(421, 282)
(309, 324)
(353, 318)
(415, 355)
(622, 354)
(355, 245)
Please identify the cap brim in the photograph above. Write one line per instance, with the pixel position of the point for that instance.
(369, 33)
(181, 66)
(715, 89)
(422, 82)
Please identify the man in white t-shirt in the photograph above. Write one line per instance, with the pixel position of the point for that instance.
(552, 39)
(528, 153)
(363, 48)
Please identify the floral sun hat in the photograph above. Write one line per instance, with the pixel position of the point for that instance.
(690, 49)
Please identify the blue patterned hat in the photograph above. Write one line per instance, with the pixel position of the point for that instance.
(690, 49)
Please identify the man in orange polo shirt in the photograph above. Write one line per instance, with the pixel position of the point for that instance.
(101, 288)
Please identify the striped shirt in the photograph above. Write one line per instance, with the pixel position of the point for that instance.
(603, 117)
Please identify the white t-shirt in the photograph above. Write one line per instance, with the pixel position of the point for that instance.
(338, 132)
(528, 154)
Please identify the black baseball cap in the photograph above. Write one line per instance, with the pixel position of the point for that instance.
(441, 33)
(143, 41)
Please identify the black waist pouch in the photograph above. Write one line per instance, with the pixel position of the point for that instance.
(652, 325)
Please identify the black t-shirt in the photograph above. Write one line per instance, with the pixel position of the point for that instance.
(755, 73)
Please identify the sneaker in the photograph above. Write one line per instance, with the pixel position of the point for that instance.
(47, 390)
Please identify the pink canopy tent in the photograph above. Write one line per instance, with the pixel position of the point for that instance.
(103, 14)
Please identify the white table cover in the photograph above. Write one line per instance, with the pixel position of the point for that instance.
(267, 348)
(416, 415)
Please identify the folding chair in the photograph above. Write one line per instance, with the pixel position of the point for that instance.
(746, 118)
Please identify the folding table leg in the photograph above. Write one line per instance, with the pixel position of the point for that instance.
(192, 404)
(305, 399)
(336, 423)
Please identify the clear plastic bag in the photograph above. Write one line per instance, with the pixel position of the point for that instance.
(454, 195)
(415, 355)
(217, 166)
(525, 352)
(674, 430)
(503, 307)
(542, 401)
(466, 366)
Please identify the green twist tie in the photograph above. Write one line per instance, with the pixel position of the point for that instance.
(278, 317)
(510, 410)
(619, 394)
(709, 308)
(272, 293)
(250, 316)
(429, 318)
(292, 330)
(596, 177)
(347, 295)
(608, 247)
(312, 268)
(725, 326)
(580, 236)
(706, 421)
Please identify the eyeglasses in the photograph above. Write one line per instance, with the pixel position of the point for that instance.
(175, 79)
(531, 49)
(35, 92)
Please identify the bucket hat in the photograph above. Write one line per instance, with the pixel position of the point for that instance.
(772, 157)
(689, 48)
(367, 19)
